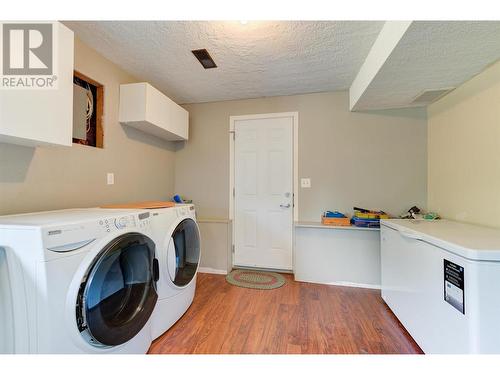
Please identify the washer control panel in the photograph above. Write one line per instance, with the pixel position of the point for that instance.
(77, 235)
(120, 222)
(144, 220)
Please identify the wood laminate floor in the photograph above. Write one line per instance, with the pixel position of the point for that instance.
(296, 318)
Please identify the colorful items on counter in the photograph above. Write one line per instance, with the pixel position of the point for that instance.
(335, 218)
(367, 218)
(413, 213)
(431, 216)
(178, 199)
(362, 218)
(416, 213)
(333, 214)
(365, 223)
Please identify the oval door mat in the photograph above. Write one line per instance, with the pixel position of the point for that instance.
(255, 279)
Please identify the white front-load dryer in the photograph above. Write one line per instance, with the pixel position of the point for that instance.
(178, 247)
(79, 281)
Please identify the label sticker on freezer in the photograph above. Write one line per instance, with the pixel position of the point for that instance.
(454, 285)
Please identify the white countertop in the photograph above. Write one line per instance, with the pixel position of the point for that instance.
(314, 224)
(467, 240)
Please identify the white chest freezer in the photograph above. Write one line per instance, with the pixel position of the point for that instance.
(442, 280)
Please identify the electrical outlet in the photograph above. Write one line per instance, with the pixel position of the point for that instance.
(110, 178)
(305, 182)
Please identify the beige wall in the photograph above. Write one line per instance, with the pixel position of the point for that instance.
(216, 245)
(464, 151)
(371, 159)
(34, 179)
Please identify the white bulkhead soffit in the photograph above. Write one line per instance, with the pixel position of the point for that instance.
(415, 63)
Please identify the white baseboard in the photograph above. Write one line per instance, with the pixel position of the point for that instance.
(343, 283)
(211, 270)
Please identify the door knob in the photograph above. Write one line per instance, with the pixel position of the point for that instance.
(285, 205)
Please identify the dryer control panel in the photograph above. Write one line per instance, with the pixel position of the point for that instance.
(185, 210)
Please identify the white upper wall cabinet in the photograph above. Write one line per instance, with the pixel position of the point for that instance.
(147, 109)
(36, 87)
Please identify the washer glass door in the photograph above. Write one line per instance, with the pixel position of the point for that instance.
(184, 252)
(118, 293)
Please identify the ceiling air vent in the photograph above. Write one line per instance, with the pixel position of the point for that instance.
(429, 96)
(204, 58)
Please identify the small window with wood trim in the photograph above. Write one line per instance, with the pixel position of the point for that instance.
(88, 99)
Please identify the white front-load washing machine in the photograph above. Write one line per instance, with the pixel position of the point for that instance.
(78, 281)
(178, 248)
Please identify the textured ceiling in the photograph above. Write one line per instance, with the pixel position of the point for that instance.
(254, 60)
(432, 55)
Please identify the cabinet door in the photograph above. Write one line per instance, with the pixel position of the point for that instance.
(39, 116)
(149, 110)
(179, 119)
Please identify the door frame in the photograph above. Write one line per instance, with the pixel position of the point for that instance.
(295, 166)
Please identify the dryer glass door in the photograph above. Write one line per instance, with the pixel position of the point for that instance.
(183, 261)
(118, 294)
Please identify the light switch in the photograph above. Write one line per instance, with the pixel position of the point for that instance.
(305, 182)
(111, 178)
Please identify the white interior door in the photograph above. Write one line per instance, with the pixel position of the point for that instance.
(263, 197)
